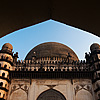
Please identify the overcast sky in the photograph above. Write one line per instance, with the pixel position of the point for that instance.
(50, 31)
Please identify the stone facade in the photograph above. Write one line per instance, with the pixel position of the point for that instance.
(76, 91)
(49, 76)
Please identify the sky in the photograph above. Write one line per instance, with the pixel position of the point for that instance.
(25, 39)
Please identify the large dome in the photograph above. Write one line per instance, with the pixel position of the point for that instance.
(51, 49)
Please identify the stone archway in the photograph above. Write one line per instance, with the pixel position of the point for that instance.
(51, 94)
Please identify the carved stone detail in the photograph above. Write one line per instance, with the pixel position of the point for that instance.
(83, 86)
(15, 87)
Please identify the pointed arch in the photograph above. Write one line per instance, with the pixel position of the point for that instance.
(18, 95)
(51, 94)
(84, 95)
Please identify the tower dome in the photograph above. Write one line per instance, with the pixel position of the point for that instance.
(52, 49)
(94, 47)
(7, 46)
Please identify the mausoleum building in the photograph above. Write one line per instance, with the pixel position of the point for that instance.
(50, 71)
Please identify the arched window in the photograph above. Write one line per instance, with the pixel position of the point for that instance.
(5, 85)
(3, 95)
(7, 58)
(5, 66)
(51, 94)
(2, 57)
(1, 84)
(3, 74)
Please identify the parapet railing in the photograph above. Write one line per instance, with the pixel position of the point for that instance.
(29, 65)
(51, 69)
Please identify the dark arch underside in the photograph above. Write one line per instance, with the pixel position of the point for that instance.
(15, 15)
(51, 94)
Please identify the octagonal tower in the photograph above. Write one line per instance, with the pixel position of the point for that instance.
(6, 63)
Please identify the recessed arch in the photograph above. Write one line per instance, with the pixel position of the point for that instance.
(84, 95)
(18, 95)
(51, 94)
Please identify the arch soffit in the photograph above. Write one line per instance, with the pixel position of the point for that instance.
(12, 13)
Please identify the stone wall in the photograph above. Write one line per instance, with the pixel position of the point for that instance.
(83, 89)
(26, 89)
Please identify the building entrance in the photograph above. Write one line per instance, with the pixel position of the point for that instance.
(51, 94)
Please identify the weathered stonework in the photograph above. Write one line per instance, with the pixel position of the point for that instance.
(48, 73)
(83, 89)
(19, 89)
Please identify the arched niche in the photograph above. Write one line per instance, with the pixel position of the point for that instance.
(18, 95)
(84, 95)
(51, 94)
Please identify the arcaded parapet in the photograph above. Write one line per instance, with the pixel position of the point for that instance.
(6, 65)
(6, 56)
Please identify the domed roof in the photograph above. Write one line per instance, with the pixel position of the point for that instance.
(7, 46)
(94, 46)
(51, 49)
